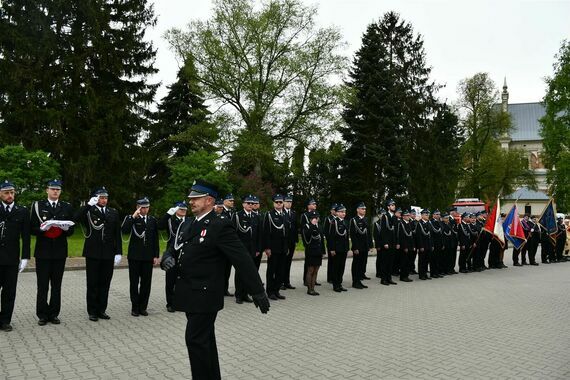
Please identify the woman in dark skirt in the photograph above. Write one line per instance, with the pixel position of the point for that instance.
(313, 240)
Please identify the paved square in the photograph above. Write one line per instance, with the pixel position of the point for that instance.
(502, 324)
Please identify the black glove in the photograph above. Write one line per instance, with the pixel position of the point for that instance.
(167, 262)
(261, 301)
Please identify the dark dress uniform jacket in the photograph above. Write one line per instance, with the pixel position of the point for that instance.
(423, 236)
(385, 232)
(142, 248)
(464, 235)
(170, 224)
(406, 236)
(313, 240)
(205, 246)
(247, 228)
(14, 225)
(291, 219)
(101, 243)
(275, 235)
(48, 248)
(360, 235)
(338, 236)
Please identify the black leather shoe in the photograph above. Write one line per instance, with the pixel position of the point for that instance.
(144, 313)
(6, 327)
(357, 286)
(463, 271)
(247, 299)
(104, 316)
(228, 294)
(524, 263)
(343, 289)
(535, 264)
(414, 272)
(272, 297)
(289, 286)
(42, 322)
(170, 309)
(385, 283)
(517, 265)
(428, 278)
(406, 279)
(93, 318)
(282, 287)
(364, 286)
(55, 321)
(366, 278)
(337, 290)
(281, 297)
(423, 278)
(239, 300)
(503, 266)
(134, 313)
(392, 282)
(317, 284)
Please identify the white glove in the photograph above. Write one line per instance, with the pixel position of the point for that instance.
(23, 265)
(93, 201)
(171, 211)
(118, 259)
(44, 226)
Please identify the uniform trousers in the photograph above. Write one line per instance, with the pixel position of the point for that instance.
(274, 271)
(8, 284)
(339, 263)
(49, 272)
(140, 279)
(171, 276)
(99, 275)
(201, 345)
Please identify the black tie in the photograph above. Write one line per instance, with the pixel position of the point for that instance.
(8, 209)
(103, 211)
(53, 204)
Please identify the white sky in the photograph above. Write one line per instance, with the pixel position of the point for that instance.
(516, 39)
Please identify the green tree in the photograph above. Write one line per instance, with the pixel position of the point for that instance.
(270, 69)
(486, 167)
(184, 170)
(28, 170)
(182, 126)
(76, 87)
(556, 128)
(390, 100)
(438, 146)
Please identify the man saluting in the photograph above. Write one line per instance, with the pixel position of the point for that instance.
(206, 243)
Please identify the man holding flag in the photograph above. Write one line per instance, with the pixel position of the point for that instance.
(494, 226)
(548, 223)
(514, 232)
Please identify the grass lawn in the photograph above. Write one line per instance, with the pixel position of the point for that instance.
(76, 243)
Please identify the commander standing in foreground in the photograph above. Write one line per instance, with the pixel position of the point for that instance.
(205, 244)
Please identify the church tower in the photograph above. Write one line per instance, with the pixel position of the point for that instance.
(505, 139)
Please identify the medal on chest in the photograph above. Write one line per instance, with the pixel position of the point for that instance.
(202, 235)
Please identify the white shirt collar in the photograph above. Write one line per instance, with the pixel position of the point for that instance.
(199, 218)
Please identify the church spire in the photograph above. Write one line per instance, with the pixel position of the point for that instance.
(505, 96)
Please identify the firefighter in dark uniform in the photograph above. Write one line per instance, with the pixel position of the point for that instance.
(313, 240)
(247, 228)
(228, 211)
(534, 237)
(483, 243)
(275, 241)
(361, 239)
(14, 226)
(170, 222)
(452, 259)
(437, 255)
(326, 231)
(464, 238)
(256, 219)
(560, 239)
(102, 249)
(522, 250)
(397, 248)
(474, 229)
(407, 246)
(291, 217)
(311, 206)
(449, 245)
(51, 250)
(424, 244)
(385, 239)
(338, 247)
(205, 243)
(143, 254)
(414, 253)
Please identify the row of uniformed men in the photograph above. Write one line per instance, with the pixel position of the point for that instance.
(398, 237)
(50, 221)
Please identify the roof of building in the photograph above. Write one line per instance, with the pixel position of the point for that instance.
(524, 193)
(525, 116)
